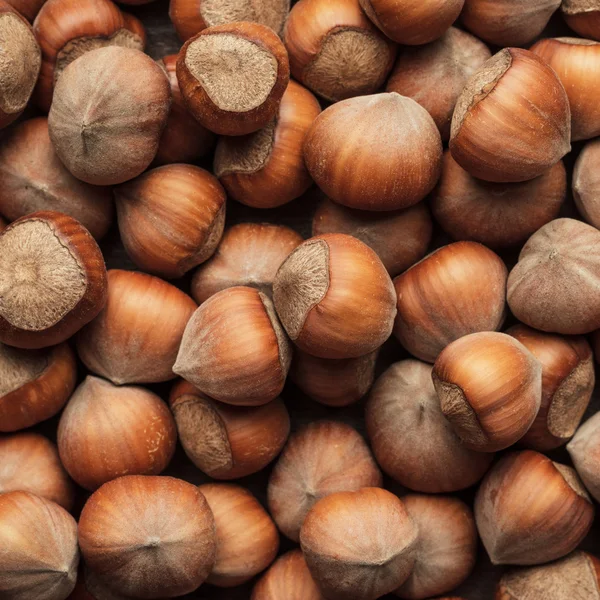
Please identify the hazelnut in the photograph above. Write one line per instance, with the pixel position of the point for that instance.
(171, 218)
(446, 549)
(583, 16)
(428, 456)
(530, 510)
(518, 131)
(554, 286)
(107, 431)
(228, 442)
(234, 348)
(247, 539)
(52, 280)
(567, 385)
(359, 545)
(354, 148)
(232, 77)
(108, 112)
(434, 75)
(455, 290)
(33, 178)
(586, 183)
(3, 224)
(400, 238)
(148, 537)
(584, 449)
(335, 50)
(29, 462)
(136, 336)
(490, 389)
(334, 297)
(34, 385)
(321, 458)
(499, 215)
(248, 254)
(28, 8)
(266, 168)
(39, 555)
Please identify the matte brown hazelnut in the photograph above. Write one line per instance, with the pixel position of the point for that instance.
(359, 545)
(530, 510)
(232, 77)
(107, 431)
(228, 442)
(171, 218)
(52, 280)
(28, 8)
(334, 297)
(109, 109)
(584, 450)
(136, 336)
(586, 183)
(583, 16)
(428, 456)
(148, 537)
(321, 458)
(359, 168)
(456, 290)
(554, 286)
(512, 121)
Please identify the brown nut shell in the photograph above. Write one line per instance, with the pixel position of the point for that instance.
(586, 183)
(583, 16)
(28, 8)
(584, 450)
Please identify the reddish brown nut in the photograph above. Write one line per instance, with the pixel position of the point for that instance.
(567, 385)
(232, 77)
(228, 442)
(359, 168)
(3, 224)
(456, 290)
(248, 254)
(512, 121)
(136, 336)
(28, 8)
(586, 183)
(171, 218)
(52, 280)
(584, 450)
(108, 112)
(583, 16)
(335, 50)
(266, 169)
(359, 545)
(322, 458)
(107, 431)
(428, 456)
(148, 537)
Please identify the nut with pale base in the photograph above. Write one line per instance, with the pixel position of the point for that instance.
(586, 183)
(584, 450)
(583, 16)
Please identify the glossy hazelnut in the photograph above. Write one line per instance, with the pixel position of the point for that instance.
(28, 8)
(584, 450)
(321, 458)
(354, 148)
(228, 442)
(512, 121)
(29, 462)
(136, 336)
(359, 545)
(266, 168)
(148, 537)
(446, 548)
(108, 431)
(567, 385)
(586, 183)
(490, 389)
(335, 50)
(456, 290)
(530, 510)
(554, 286)
(499, 215)
(171, 218)
(435, 74)
(247, 539)
(39, 548)
(248, 254)
(34, 178)
(52, 280)
(34, 385)
(121, 137)
(400, 238)
(232, 77)
(428, 456)
(583, 16)
(334, 297)
(234, 348)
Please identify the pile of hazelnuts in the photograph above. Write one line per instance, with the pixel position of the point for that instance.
(497, 304)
